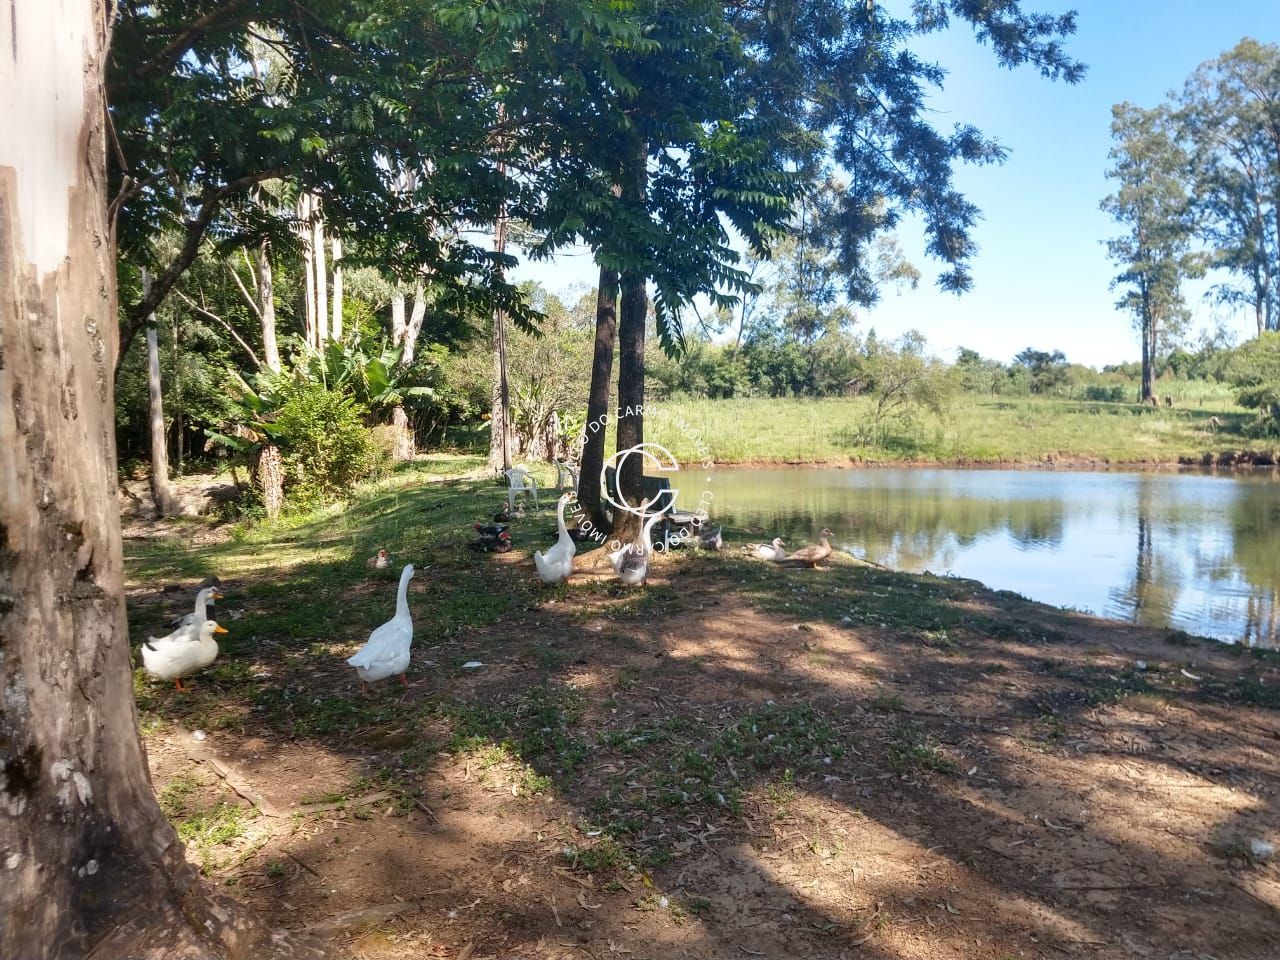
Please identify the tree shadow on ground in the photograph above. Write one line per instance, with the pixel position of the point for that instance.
(739, 761)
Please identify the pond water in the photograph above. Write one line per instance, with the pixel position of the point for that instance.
(1184, 550)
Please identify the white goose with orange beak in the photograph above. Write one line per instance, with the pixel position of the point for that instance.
(180, 654)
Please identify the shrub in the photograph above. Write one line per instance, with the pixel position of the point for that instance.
(325, 444)
(1101, 393)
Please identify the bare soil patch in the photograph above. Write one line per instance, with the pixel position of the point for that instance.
(743, 761)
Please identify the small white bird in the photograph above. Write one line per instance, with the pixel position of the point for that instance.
(386, 652)
(379, 561)
(771, 551)
(180, 653)
(557, 563)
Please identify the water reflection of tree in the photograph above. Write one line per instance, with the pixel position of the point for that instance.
(918, 523)
(1151, 597)
(1255, 517)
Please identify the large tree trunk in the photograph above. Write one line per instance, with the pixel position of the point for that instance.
(335, 329)
(631, 323)
(267, 307)
(598, 399)
(402, 447)
(268, 475)
(161, 490)
(91, 865)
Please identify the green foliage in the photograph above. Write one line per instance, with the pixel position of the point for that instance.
(1047, 371)
(325, 444)
(1254, 370)
(368, 370)
(1115, 393)
(1227, 116)
(900, 380)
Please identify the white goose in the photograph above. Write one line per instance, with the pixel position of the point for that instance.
(633, 568)
(774, 551)
(557, 563)
(191, 622)
(386, 652)
(181, 653)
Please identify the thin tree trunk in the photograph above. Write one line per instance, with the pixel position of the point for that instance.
(335, 328)
(398, 325)
(177, 398)
(311, 330)
(597, 426)
(414, 327)
(500, 407)
(91, 865)
(631, 324)
(500, 403)
(161, 490)
(1149, 363)
(404, 334)
(318, 265)
(267, 307)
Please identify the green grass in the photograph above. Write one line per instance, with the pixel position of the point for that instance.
(970, 429)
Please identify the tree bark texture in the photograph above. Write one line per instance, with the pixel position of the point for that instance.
(631, 323)
(598, 399)
(403, 447)
(91, 866)
(268, 474)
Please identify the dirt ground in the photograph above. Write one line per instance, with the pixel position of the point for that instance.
(744, 761)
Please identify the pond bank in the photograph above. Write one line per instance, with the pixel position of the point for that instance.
(742, 760)
(1224, 458)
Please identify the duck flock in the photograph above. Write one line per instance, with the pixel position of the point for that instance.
(192, 646)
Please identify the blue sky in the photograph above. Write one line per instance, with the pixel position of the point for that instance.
(1042, 275)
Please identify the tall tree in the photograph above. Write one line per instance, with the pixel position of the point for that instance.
(739, 103)
(92, 865)
(1152, 204)
(161, 488)
(1229, 114)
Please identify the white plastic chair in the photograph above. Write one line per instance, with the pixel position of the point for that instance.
(519, 481)
(566, 476)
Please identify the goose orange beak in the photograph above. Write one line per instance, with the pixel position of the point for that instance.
(219, 629)
(216, 595)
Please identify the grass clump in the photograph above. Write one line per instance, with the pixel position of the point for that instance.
(913, 751)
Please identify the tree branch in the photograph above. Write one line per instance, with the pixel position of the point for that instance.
(174, 50)
(136, 315)
(231, 330)
(235, 275)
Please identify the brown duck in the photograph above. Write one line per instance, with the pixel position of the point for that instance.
(813, 555)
